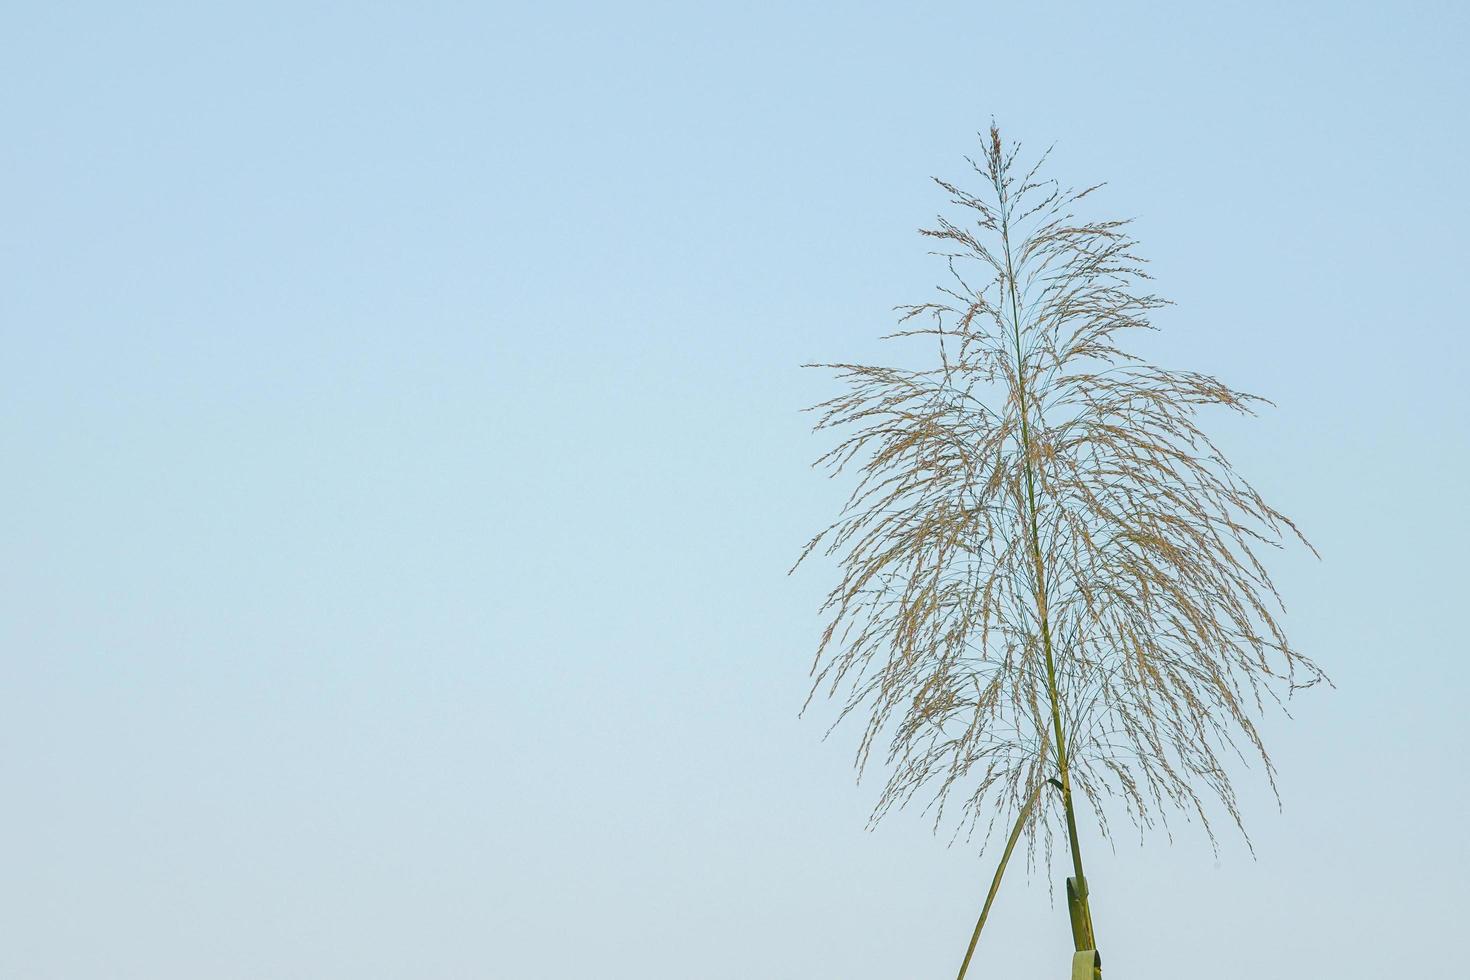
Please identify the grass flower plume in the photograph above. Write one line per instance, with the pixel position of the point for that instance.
(1048, 572)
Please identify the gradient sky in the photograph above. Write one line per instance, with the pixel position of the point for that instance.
(402, 454)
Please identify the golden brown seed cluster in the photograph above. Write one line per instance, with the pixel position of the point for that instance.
(1116, 521)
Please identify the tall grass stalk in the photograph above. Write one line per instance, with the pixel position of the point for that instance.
(1043, 548)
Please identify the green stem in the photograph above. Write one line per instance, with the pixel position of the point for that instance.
(999, 871)
(1063, 762)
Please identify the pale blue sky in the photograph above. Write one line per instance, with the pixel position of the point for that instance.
(400, 419)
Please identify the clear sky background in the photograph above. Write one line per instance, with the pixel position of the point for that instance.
(399, 410)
